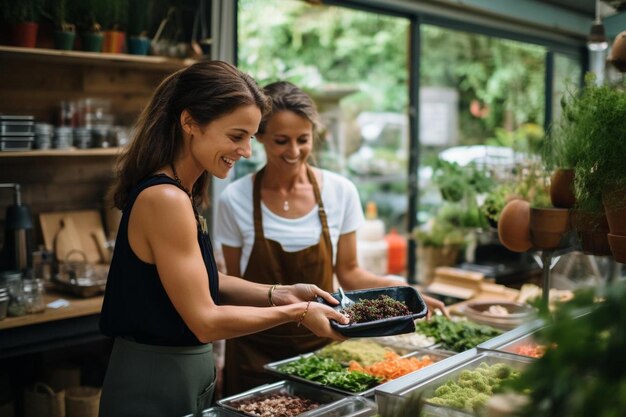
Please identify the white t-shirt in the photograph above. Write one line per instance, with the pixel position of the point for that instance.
(235, 218)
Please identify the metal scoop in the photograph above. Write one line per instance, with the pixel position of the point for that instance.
(345, 301)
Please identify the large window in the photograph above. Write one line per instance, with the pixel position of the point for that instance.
(354, 64)
(482, 98)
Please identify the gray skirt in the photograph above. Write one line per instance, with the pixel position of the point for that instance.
(147, 380)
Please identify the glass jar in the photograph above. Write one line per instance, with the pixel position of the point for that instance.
(12, 281)
(33, 291)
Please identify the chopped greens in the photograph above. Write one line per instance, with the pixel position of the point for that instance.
(457, 336)
(329, 372)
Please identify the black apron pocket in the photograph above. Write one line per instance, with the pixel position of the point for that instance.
(205, 398)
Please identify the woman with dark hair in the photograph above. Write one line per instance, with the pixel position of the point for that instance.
(165, 301)
(303, 228)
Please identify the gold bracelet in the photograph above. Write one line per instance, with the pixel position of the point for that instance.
(269, 294)
(306, 310)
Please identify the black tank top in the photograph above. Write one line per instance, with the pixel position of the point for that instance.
(135, 303)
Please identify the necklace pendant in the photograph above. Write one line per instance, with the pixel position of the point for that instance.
(286, 206)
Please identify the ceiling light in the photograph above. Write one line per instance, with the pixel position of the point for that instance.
(597, 40)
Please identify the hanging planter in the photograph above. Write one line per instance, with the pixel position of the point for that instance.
(562, 188)
(548, 226)
(592, 229)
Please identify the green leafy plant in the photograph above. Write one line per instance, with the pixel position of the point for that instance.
(594, 123)
(456, 182)
(495, 202)
(443, 229)
(584, 374)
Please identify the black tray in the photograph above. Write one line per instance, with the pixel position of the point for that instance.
(384, 327)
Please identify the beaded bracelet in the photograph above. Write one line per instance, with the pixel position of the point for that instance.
(306, 310)
(269, 294)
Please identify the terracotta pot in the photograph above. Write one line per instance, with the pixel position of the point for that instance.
(618, 52)
(591, 229)
(547, 227)
(614, 201)
(562, 188)
(618, 247)
(23, 34)
(513, 226)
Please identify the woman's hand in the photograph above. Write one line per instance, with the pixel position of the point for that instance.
(289, 294)
(316, 319)
(434, 304)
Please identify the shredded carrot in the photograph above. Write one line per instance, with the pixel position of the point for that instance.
(393, 366)
(531, 349)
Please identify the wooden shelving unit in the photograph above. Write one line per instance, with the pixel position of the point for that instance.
(62, 153)
(159, 63)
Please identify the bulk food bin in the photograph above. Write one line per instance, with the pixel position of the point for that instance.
(274, 369)
(391, 401)
(309, 392)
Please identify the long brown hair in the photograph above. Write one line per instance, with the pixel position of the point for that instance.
(207, 90)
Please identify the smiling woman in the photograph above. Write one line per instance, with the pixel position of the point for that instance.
(165, 301)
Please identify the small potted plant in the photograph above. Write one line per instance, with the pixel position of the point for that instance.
(139, 17)
(114, 18)
(439, 241)
(65, 33)
(21, 16)
(88, 16)
(600, 173)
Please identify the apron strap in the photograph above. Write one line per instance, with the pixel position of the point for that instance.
(258, 217)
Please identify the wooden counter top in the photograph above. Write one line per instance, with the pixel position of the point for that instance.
(78, 307)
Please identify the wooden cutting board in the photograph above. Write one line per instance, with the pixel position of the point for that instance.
(84, 222)
(67, 240)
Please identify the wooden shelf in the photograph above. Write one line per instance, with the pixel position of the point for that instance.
(158, 63)
(62, 153)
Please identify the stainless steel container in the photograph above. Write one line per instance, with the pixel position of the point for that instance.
(283, 387)
(390, 401)
(348, 407)
(274, 369)
(216, 412)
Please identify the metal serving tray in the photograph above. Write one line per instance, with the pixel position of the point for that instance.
(512, 335)
(348, 407)
(283, 387)
(216, 412)
(389, 403)
(273, 368)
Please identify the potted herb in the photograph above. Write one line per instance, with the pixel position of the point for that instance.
(65, 33)
(439, 242)
(600, 174)
(89, 14)
(114, 14)
(21, 16)
(139, 18)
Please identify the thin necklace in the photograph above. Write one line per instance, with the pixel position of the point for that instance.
(180, 183)
(200, 220)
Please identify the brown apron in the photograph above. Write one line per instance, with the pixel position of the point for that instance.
(270, 264)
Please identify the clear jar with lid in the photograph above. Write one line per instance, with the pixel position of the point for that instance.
(33, 290)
